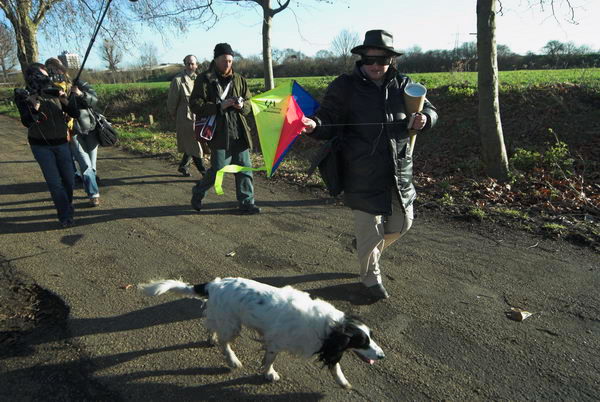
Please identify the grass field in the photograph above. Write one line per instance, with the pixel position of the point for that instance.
(316, 85)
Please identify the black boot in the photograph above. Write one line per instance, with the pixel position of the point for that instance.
(184, 166)
(199, 165)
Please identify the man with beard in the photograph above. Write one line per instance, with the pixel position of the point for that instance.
(219, 91)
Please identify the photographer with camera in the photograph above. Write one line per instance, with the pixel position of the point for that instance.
(44, 108)
(84, 145)
(221, 92)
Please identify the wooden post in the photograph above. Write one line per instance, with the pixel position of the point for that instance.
(132, 117)
(151, 119)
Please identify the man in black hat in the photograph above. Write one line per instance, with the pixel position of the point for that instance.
(219, 91)
(376, 165)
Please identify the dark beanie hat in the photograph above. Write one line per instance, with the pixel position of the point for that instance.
(223, 48)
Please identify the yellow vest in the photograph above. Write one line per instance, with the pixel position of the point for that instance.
(65, 86)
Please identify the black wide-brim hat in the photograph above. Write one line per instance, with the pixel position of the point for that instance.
(377, 39)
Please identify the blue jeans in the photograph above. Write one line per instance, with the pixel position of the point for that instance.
(244, 187)
(56, 163)
(85, 150)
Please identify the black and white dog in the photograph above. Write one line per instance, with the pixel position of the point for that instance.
(287, 319)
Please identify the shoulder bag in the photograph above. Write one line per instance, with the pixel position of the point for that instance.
(104, 131)
(204, 127)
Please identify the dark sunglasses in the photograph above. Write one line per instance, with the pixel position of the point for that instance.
(189, 63)
(379, 60)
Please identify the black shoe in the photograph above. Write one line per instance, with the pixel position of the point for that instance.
(249, 209)
(378, 292)
(196, 203)
(67, 223)
(184, 172)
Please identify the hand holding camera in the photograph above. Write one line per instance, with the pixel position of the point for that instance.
(235, 101)
(238, 102)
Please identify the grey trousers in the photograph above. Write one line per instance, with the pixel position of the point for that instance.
(370, 230)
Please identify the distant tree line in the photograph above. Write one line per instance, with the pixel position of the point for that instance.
(555, 55)
(293, 63)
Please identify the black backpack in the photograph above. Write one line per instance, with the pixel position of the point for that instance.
(104, 131)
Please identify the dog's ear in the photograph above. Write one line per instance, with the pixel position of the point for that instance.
(333, 347)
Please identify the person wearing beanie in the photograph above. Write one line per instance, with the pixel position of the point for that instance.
(376, 158)
(221, 92)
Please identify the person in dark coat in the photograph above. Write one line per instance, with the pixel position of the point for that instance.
(44, 110)
(377, 165)
(221, 92)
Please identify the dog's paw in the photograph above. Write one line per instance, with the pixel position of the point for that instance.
(234, 363)
(272, 376)
(213, 340)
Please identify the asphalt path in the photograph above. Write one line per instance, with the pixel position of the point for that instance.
(444, 330)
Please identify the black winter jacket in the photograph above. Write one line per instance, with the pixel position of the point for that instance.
(48, 125)
(373, 156)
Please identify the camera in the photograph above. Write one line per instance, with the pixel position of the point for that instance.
(41, 84)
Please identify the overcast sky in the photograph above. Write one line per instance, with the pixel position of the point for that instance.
(310, 27)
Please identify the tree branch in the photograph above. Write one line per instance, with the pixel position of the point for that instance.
(281, 7)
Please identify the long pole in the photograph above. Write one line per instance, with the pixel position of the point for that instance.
(91, 44)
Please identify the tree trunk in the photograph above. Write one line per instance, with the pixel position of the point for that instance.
(266, 38)
(490, 126)
(27, 46)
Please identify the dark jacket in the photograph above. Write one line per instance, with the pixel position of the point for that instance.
(204, 101)
(374, 159)
(48, 125)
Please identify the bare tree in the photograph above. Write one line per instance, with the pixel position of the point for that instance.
(490, 124)
(343, 43)
(75, 20)
(148, 58)
(111, 55)
(8, 54)
(268, 14)
(554, 48)
(324, 54)
(29, 16)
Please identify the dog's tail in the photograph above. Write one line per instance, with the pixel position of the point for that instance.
(156, 288)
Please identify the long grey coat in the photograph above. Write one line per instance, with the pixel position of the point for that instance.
(178, 108)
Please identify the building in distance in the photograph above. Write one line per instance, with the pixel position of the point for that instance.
(70, 60)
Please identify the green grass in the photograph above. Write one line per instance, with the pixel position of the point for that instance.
(316, 85)
(147, 141)
(580, 76)
(511, 212)
(9, 110)
(554, 228)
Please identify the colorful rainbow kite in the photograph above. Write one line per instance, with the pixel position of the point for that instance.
(278, 114)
